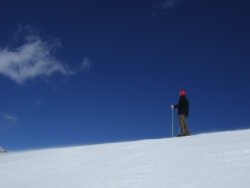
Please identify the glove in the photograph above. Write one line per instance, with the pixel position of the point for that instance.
(172, 106)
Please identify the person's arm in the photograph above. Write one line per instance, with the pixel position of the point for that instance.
(179, 104)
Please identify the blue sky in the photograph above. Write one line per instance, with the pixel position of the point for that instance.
(86, 72)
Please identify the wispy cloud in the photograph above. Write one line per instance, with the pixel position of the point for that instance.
(170, 3)
(86, 63)
(33, 58)
(160, 7)
(8, 121)
(38, 101)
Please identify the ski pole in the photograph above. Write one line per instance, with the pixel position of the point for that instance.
(172, 122)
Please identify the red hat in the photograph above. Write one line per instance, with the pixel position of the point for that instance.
(183, 93)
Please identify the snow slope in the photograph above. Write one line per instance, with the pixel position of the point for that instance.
(206, 160)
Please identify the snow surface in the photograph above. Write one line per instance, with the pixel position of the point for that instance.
(206, 160)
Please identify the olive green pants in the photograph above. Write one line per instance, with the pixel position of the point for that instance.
(183, 123)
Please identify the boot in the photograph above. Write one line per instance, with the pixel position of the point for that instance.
(181, 134)
(187, 133)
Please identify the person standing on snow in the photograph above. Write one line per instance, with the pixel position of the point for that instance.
(183, 111)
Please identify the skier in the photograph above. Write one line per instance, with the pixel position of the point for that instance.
(183, 111)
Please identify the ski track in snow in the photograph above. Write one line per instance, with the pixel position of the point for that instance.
(206, 160)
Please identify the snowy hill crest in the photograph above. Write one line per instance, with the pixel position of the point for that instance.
(206, 160)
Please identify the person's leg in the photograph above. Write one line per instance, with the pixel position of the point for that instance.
(185, 125)
(181, 123)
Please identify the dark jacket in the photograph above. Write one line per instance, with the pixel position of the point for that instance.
(183, 106)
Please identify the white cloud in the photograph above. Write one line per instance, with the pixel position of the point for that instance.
(8, 121)
(86, 63)
(32, 59)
